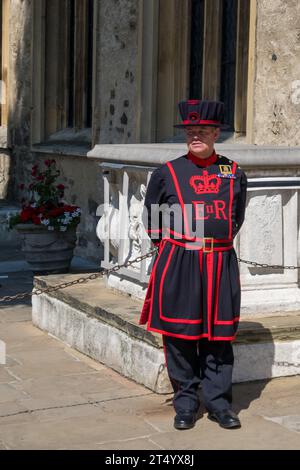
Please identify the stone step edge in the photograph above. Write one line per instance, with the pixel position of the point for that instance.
(267, 330)
(143, 363)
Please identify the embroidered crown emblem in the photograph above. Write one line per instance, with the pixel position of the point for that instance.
(193, 116)
(206, 183)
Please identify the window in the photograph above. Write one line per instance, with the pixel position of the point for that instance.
(219, 55)
(80, 70)
(63, 67)
(202, 53)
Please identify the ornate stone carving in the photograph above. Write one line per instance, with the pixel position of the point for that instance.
(108, 227)
(136, 231)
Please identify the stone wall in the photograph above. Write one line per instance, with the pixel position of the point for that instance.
(277, 74)
(117, 72)
(20, 39)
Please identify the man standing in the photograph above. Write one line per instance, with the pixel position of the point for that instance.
(193, 296)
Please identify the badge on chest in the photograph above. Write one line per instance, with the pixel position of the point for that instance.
(226, 172)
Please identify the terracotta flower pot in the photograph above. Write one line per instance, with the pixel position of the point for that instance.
(47, 252)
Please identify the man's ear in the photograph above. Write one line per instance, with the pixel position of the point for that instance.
(217, 133)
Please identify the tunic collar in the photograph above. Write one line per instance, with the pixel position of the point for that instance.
(204, 162)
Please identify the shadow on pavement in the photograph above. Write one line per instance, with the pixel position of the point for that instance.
(254, 359)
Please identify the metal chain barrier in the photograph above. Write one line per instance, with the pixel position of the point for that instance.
(287, 364)
(81, 280)
(265, 265)
(104, 272)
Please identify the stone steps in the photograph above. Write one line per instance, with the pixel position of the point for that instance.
(103, 324)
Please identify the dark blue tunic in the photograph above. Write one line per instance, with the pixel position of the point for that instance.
(194, 288)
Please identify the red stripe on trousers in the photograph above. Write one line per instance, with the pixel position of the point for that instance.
(210, 268)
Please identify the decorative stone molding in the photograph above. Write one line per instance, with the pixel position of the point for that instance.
(251, 157)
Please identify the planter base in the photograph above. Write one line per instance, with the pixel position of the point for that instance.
(47, 252)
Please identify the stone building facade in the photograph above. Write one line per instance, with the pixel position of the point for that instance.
(79, 74)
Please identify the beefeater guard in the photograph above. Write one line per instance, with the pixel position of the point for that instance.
(194, 293)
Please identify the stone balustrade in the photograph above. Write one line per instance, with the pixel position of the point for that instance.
(269, 235)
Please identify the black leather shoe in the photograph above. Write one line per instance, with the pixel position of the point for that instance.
(186, 419)
(227, 419)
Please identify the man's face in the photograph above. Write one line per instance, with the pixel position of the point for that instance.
(200, 139)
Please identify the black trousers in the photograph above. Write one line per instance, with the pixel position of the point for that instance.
(191, 362)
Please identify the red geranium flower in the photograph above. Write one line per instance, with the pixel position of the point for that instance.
(49, 162)
(56, 212)
(27, 214)
(36, 220)
(34, 170)
(46, 200)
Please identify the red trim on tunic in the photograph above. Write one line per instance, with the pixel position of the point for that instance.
(152, 296)
(181, 320)
(204, 162)
(204, 335)
(217, 289)
(216, 321)
(231, 201)
(177, 187)
(200, 122)
(199, 248)
(228, 322)
(148, 302)
(156, 330)
(161, 284)
(198, 239)
(222, 338)
(201, 277)
(182, 236)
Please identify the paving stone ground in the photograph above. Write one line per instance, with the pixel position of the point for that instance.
(52, 397)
